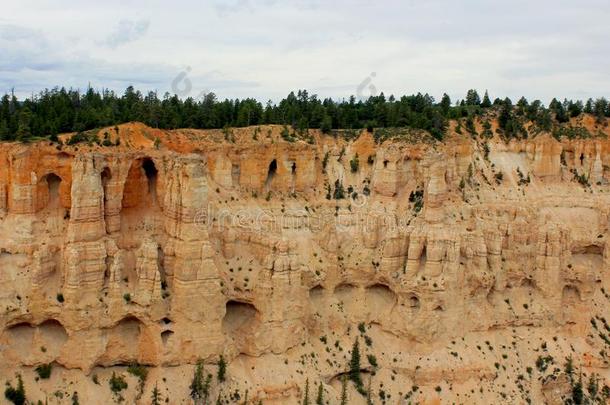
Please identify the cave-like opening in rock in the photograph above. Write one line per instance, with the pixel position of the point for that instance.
(53, 183)
(293, 176)
(271, 172)
(140, 208)
(140, 188)
(161, 266)
(238, 316)
(106, 176)
(316, 292)
(54, 216)
(380, 295)
(414, 302)
(20, 338)
(150, 170)
(53, 334)
(123, 342)
(166, 335)
(570, 296)
(423, 258)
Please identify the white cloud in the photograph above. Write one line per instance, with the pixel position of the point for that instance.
(127, 31)
(266, 48)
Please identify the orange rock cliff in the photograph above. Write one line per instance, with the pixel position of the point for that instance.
(467, 270)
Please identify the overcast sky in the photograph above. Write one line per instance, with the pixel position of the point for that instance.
(266, 48)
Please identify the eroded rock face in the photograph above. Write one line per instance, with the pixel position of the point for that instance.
(201, 248)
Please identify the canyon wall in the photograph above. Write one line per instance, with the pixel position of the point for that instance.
(182, 245)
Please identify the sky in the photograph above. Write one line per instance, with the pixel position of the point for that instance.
(267, 48)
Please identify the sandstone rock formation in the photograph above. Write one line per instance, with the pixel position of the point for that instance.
(180, 245)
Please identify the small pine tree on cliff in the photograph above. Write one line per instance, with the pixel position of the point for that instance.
(354, 365)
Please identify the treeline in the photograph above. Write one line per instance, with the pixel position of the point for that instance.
(60, 110)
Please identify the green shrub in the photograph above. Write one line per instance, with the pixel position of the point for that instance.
(141, 372)
(138, 370)
(339, 193)
(117, 383)
(77, 138)
(15, 394)
(354, 366)
(372, 360)
(44, 370)
(542, 363)
(354, 163)
(286, 134)
(156, 396)
(222, 369)
(200, 387)
(417, 198)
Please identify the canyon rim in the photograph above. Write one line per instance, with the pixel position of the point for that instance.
(469, 270)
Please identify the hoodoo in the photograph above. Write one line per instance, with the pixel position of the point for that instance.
(471, 269)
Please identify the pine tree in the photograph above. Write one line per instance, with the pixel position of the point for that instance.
(339, 192)
(486, 103)
(472, 98)
(445, 103)
(206, 388)
(306, 397)
(302, 125)
(156, 396)
(59, 110)
(569, 368)
(326, 125)
(505, 113)
(599, 109)
(197, 383)
(24, 130)
(16, 395)
(575, 108)
(544, 120)
(354, 163)
(593, 388)
(222, 369)
(560, 114)
(4, 131)
(320, 398)
(554, 104)
(589, 106)
(577, 392)
(522, 106)
(354, 365)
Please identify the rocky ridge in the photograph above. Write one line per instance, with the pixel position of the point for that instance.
(457, 265)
